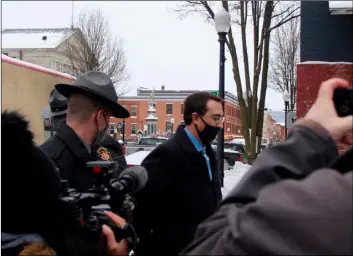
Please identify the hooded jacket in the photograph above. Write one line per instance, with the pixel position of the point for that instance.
(31, 210)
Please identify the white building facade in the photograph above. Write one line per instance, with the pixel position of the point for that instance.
(43, 47)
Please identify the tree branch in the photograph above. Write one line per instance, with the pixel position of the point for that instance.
(93, 48)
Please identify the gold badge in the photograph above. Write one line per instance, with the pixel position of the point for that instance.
(104, 153)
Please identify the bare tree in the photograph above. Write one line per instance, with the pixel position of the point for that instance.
(94, 48)
(261, 18)
(284, 57)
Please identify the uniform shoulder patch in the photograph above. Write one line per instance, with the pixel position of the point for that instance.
(103, 153)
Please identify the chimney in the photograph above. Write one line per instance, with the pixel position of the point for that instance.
(163, 87)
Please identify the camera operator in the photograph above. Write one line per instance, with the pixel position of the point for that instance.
(92, 100)
(108, 150)
(297, 197)
(33, 222)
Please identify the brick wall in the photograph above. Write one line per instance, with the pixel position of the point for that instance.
(311, 75)
(232, 116)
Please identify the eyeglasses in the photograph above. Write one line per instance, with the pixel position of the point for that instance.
(217, 118)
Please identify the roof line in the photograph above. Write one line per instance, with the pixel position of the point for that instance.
(32, 29)
(35, 67)
(64, 39)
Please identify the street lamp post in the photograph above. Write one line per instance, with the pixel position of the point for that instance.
(286, 104)
(222, 24)
(123, 130)
(172, 120)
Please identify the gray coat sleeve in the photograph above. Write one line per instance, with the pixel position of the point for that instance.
(312, 216)
(287, 203)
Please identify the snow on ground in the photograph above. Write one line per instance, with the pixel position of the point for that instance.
(232, 177)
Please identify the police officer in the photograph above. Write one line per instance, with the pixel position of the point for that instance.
(92, 100)
(108, 150)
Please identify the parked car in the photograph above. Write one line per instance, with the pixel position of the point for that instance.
(231, 146)
(147, 143)
(151, 140)
(136, 157)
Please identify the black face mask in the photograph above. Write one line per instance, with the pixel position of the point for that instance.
(101, 135)
(209, 133)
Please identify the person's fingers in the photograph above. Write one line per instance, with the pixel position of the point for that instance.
(327, 88)
(120, 222)
(109, 234)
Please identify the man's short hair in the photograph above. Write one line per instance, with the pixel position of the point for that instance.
(197, 103)
(81, 107)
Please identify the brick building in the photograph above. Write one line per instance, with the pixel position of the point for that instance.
(325, 48)
(169, 107)
(268, 128)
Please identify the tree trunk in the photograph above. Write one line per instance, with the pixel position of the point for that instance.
(266, 57)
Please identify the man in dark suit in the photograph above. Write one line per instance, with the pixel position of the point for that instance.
(184, 184)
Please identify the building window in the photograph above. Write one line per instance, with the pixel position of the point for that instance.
(133, 110)
(182, 108)
(168, 126)
(133, 129)
(169, 109)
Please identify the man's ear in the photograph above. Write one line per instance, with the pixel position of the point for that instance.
(195, 118)
(100, 114)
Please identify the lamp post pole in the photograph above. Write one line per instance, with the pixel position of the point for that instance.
(285, 121)
(123, 130)
(286, 104)
(222, 24)
(220, 138)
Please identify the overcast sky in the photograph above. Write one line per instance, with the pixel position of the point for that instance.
(160, 48)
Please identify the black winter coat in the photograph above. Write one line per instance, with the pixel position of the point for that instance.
(70, 156)
(178, 196)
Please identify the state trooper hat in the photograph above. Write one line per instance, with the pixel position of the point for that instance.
(57, 103)
(98, 86)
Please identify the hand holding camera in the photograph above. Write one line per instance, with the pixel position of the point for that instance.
(333, 109)
(115, 248)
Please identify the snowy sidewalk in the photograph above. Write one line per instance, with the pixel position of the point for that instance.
(232, 177)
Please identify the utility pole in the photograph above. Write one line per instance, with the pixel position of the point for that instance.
(72, 14)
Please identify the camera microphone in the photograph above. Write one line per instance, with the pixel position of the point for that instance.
(130, 180)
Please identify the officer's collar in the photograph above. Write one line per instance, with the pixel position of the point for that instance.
(89, 149)
(73, 141)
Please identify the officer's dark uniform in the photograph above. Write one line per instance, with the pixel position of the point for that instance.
(69, 152)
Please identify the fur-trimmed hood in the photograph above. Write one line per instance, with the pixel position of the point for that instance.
(14, 128)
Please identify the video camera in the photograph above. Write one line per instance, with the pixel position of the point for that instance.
(107, 193)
